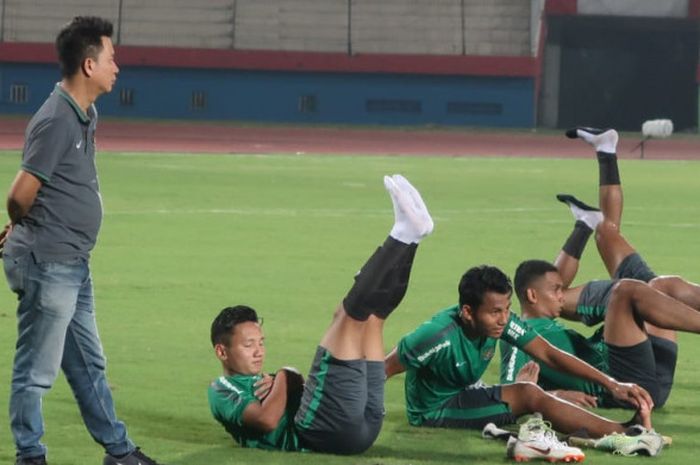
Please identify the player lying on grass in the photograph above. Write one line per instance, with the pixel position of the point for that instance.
(340, 408)
(445, 357)
(637, 343)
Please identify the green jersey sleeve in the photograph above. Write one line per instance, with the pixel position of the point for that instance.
(418, 348)
(517, 332)
(512, 360)
(227, 402)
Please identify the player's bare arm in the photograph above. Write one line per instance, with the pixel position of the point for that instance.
(559, 360)
(392, 364)
(265, 416)
(530, 373)
(22, 194)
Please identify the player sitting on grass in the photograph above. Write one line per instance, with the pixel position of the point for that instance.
(445, 357)
(341, 408)
(638, 341)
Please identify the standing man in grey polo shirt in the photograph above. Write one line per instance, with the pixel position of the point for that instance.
(55, 213)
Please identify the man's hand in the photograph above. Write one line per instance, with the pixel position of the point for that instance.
(632, 394)
(263, 386)
(4, 234)
(530, 372)
(577, 397)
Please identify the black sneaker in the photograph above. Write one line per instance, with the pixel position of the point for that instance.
(134, 458)
(40, 460)
(571, 200)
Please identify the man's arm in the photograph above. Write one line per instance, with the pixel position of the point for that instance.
(561, 361)
(22, 194)
(265, 416)
(530, 372)
(392, 364)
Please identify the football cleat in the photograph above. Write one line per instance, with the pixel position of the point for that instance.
(537, 440)
(645, 442)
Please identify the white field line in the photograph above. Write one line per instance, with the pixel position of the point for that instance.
(515, 214)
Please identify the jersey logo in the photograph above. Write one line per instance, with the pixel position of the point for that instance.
(80, 142)
(459, 364)
(488, 353)
(539, 449)
(433, 350)
(515, 331)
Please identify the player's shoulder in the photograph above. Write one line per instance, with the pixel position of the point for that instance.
(227, 386)
(52, 116)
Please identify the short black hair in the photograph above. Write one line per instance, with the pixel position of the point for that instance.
(479, 280)
(80, 39)
(527, 272)
(227, 319)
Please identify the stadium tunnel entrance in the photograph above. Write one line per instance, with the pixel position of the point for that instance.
(619, 72)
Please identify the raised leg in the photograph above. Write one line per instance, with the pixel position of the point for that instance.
(356, 330)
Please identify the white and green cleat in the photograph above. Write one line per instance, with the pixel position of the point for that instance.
(646, 442)
(538, 441)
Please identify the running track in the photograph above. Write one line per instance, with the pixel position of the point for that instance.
(131, 136)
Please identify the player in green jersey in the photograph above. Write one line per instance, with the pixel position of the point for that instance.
(445, 357)
(638, 341)
(340, 408)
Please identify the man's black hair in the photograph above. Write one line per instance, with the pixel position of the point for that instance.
(80, 39)
(527, 272)
(478, 281)
(227, 319)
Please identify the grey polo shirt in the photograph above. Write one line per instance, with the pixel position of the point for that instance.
(59, 149)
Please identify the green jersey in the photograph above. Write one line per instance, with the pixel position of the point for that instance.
(441, 361)
(592, 350)
(228, 398)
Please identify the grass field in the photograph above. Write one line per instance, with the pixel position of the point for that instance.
(185, 235)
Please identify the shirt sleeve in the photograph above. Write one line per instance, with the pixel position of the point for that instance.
(228, 405)
(45, 145)
(419, 347)
(517, 332)
(512, 360)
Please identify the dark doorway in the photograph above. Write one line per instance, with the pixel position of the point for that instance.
(620, 71)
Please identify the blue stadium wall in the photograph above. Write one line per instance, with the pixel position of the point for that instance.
(335, 94)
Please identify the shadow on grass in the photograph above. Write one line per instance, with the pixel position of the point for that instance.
(172, 427)
(379, 452)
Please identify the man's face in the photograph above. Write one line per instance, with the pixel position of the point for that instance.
(547, 295)
(491, 317)
(245, 353)
(104, 67)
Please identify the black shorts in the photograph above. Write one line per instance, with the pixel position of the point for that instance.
(342, 408)
(650, 364)
(633, 266)
(593, 301)
(473, 408)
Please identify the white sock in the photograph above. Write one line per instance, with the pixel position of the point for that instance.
(590, 217)
(604, 142)
(412, 222)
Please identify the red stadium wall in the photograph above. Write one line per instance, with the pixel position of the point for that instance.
(512, 66)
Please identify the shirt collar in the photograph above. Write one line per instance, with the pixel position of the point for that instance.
(84, 118)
